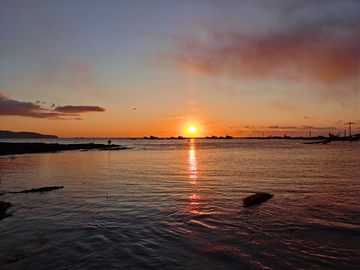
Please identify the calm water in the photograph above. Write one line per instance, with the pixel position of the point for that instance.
(177, 204)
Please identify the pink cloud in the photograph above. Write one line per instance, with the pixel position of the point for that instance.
(305, 53)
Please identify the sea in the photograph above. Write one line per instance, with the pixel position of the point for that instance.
(178, 204)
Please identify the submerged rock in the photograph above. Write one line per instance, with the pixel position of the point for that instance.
(114, 148)
(3, 207)
(256, 199)
(42, 189)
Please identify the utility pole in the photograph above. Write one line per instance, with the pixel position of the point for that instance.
(350, 128)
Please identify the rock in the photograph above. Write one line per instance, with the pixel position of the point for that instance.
(42, 189)
(3, 207)
(256, 199)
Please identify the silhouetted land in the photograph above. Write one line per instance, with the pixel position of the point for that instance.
(355, 137)
(30, 148)
(6, 134)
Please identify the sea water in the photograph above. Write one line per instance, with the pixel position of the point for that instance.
(177, 204)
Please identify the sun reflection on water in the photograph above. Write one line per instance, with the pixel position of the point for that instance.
(192, 164)
(193, 176)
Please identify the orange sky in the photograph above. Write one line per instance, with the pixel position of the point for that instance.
(134, 69)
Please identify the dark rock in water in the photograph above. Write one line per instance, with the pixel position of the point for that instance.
(3, 207)
(256, 199)
(42, 189)
(114, 148)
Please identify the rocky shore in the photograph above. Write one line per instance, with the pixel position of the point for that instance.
(30, 148)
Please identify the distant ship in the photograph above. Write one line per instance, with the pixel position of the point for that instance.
(151, 138)
(221, 137)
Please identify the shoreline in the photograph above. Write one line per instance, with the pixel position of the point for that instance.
(10, 148)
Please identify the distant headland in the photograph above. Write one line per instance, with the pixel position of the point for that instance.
(19, 148)
(6, 134)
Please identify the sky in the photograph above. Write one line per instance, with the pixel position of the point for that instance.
(113, 68)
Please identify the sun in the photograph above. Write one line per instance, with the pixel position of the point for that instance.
(192, 130)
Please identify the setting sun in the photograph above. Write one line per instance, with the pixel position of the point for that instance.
(192, 130)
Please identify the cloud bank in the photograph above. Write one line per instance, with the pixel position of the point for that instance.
(173, 118)
(323, 49)
(11, 107)
(79, 109)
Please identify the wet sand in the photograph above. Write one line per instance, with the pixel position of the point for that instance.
(30, 148)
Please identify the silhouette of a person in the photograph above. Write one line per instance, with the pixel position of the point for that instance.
(109, 142)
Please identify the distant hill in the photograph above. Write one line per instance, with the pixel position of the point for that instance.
(6, 134)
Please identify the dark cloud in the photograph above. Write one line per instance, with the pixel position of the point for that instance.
(277, 127)
(79, 109)
(66, 118)
(134, 109)
(306, 117)
(318, 128)
(11, 107)
(250, 127)
(292, 129)
(340, 122)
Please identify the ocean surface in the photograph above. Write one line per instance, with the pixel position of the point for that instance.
(177, 204)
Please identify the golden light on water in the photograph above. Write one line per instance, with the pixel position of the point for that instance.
(193, 176)
(192, 165)
(192, 130)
